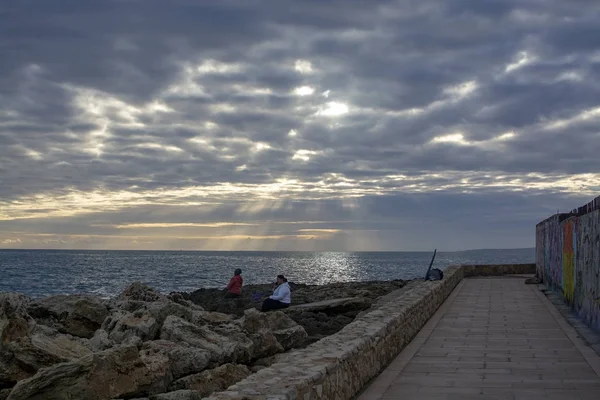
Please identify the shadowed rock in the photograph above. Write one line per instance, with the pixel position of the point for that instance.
(78, 315)
(87, 378)
(213, 380)
(25, 346)
(333, 306)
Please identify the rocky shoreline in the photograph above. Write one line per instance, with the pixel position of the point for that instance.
(144, 344)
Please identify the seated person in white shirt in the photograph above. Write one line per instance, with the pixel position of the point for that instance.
(281, 297)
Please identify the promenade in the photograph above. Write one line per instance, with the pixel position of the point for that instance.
(493, 338)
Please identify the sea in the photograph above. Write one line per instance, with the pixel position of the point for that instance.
(41, 273)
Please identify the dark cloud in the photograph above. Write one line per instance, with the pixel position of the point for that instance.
(385, 117)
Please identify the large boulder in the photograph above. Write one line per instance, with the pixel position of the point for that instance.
(160, 310)
(15, 322)
(182, 360)
(227, 345)
(291, 337)
(213, 380)
(265, 344)
(287, 332)
(100, 341)
(39, 348)
(118, 372)
(210, 318)
(180, 299)
(123, 325)
(78, 315)
(138, 291)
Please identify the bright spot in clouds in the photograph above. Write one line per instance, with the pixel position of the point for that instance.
(304, 91)
(262, 146)
(453, 138)
(506, 136)
(304, 155)
(217, 67)
(523, 58)
(303, 66)
(333, 109)
(462, 90)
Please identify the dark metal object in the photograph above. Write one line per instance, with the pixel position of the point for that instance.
(430, 264)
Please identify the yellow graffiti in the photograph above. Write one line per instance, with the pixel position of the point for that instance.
(568, 281)
(568, 262)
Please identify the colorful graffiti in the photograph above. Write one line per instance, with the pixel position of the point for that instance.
(568, 258)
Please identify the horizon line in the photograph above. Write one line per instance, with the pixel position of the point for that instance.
(273, 251)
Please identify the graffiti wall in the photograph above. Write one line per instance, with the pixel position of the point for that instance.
(568, 258)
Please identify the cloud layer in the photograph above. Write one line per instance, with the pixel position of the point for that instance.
(251, 124)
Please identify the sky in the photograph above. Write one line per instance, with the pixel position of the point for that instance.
(313, 125)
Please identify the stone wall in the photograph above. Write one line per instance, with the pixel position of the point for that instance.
(339, 366)
(568, 259)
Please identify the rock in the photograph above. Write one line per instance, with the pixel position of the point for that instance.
(279, 320)
(100, 341)
(178, 395)
(78, 315)
(125, 305)
(286, 331)
(333, 306)
(533, 281)
(227, 345)
(265, 344)
(145, 320)
(180, 299)
(123, 325)
(210, 318)
(291, 337)
(42, 347)
(25, 346)
(157, 362)
(62, 346)
(15, 322)
(182, 360)
(4, 393)
(214, 380)
(160, 310)
(138, 291)
(318, 325)
(113, 373)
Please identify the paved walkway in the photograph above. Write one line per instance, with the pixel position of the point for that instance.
(494, 338)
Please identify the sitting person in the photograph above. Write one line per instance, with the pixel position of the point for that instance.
(234, 287)
(281, 297)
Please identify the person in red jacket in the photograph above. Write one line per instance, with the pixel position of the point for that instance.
(234, 288)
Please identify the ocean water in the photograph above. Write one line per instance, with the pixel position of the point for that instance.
(40, 273)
